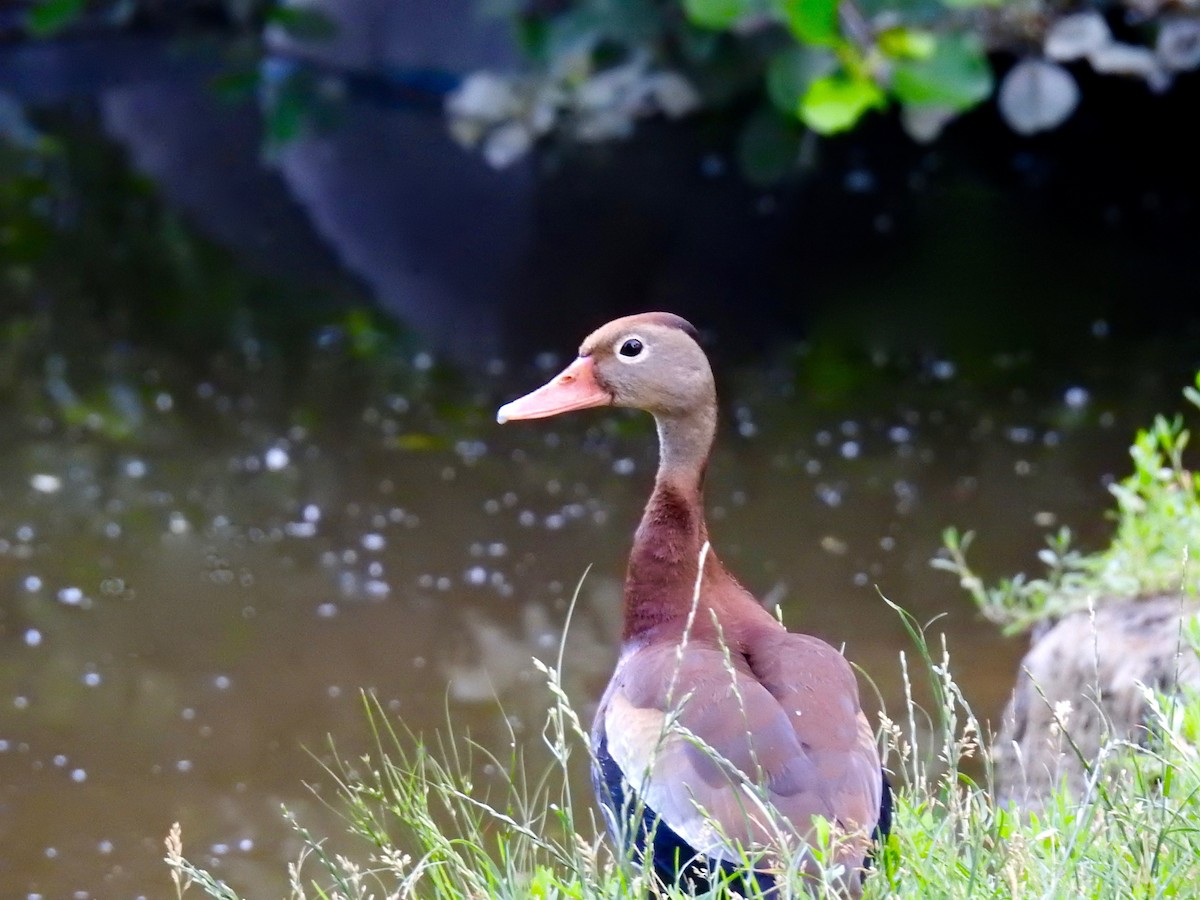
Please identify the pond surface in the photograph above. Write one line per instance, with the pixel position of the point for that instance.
(251, 468)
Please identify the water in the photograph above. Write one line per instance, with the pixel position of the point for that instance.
(236, 494)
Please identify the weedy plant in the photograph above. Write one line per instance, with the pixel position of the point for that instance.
(426, 829)
(1157, 520)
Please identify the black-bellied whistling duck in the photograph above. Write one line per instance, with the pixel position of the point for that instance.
(721, 735)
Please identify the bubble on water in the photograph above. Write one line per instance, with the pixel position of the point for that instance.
(476, 575)
(859, 181)
(59, 760)
(220, 849)
(32, 583)
(829, 495)
(712, 165)
(373, 542)
(183, 765)
(623, 466)
(834, 545)
(4, 745)
(526, 518)
(1100, 329)
(443, 583)
(33, 637)
(187, 714)
(178, 523)
(79, 776)
(163, 402)
(135, 468)
(245, 845)
(1020, 434)
(943, 370)
(25, 533)
(377, 588)
(333, 691)
(112, 530)
(45, 483)
(555, 521)
(20, 702)
(222, 682)
(300, 529)
(105, 847)
(51, 852)
(70, 596)
(92, 679)
(850, 450)
(1077, 397)
(276, 459)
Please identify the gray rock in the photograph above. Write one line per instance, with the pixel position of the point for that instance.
(1086, 674)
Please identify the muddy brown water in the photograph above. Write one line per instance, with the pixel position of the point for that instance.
(207, 552)
(188, 616)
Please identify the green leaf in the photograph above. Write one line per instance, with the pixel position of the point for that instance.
(714, 14)
(836, 102)
(236, 85)
(791, 72)
(303, 24)
(956, 75)
(768, 147)
(49, 17)
(812, 21)
(907, 43)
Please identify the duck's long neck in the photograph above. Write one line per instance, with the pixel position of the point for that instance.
(661, 580)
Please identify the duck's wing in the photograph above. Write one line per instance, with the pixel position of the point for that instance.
(737, 752)
(817, 690)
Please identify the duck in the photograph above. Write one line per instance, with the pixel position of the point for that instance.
(722, 739)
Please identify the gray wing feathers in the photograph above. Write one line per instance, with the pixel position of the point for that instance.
(768, 734)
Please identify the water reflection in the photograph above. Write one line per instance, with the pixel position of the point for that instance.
(230, 503)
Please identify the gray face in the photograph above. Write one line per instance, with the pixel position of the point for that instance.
(648, 365)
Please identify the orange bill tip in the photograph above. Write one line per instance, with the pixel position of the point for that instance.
(575, 387)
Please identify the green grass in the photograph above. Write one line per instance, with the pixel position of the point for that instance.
(424, 829)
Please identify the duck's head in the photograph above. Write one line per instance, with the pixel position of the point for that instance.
(650, 361)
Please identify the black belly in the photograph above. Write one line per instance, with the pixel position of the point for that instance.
(674, 860)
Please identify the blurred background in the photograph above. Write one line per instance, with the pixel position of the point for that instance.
(267, 270)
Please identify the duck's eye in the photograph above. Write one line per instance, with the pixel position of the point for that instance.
(632, 347)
